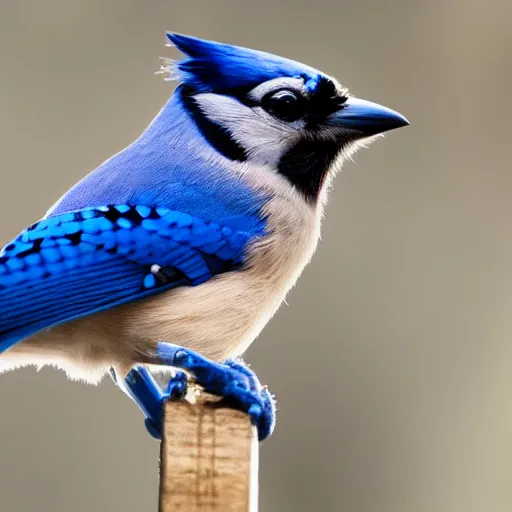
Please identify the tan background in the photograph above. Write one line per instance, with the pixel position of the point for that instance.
(393, 362)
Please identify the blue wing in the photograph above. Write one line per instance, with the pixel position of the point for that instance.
(82, 262)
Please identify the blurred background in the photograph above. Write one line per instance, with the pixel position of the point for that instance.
(392, 361)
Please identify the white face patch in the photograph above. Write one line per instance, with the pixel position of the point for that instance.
(260, 127)
(264, 138)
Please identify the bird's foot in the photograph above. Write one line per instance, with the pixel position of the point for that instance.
(234, 381)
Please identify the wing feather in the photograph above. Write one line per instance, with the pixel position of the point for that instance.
(82, 262)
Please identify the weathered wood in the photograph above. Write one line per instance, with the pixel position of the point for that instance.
(209, 459)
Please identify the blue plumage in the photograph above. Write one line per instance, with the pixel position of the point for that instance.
(173, 208)
(170, 166)
(212, 66)
(82, 262)
(238, 153)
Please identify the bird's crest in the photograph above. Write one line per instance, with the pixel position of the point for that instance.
(212, 66)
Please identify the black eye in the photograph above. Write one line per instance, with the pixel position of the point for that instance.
(285, 105)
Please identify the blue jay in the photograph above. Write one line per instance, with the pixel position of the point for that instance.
(177, 251)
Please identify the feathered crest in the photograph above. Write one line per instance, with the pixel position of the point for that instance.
(212, 66)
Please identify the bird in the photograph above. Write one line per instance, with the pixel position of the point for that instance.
(177, 250)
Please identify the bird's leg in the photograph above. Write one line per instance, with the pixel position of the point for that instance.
(140, 385)
(233, 381)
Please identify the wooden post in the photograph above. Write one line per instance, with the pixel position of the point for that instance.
(209, 458)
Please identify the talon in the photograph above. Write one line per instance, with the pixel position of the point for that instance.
(177, 387)
(254, 411)
(233, 381)
(180, 357)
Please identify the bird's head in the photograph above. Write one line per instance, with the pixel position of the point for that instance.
(259, 108)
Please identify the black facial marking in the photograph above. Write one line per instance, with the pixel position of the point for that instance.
(324, 101)
(306, 164)
(216, 135)
(326, 88)
(314, 108)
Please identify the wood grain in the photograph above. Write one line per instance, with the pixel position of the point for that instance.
(209, 459)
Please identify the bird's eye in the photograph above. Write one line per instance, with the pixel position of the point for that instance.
(285, 105)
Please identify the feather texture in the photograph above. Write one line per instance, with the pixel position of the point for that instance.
(86, 261)
(170, 165)
(212, 66)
